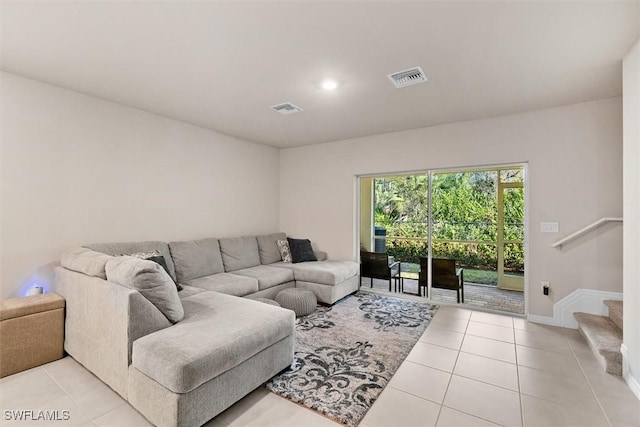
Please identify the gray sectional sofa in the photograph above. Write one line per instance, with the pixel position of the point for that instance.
(182, 357)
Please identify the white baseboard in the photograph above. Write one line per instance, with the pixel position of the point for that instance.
(545, 320)
(582, 300)
(633, 383)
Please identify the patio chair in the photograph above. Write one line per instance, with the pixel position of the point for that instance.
(444, 275)
(378, 265)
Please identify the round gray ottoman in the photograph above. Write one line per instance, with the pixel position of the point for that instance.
(267, 301)
(301, 301)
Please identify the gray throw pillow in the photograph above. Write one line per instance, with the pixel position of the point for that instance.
(151, 280)
(301, 250)
(155, 256)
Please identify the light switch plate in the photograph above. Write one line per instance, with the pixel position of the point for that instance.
(549, 227)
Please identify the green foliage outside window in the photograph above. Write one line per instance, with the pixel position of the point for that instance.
(464, 208)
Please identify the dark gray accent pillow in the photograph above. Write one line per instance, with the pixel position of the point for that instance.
(301, 250)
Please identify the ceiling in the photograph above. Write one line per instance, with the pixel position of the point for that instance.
(221, 65)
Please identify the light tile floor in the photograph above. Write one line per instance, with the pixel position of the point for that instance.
(469, 368)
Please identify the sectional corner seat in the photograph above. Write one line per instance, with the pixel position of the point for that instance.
(184, 371)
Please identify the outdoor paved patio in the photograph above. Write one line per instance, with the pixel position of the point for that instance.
(481, 296)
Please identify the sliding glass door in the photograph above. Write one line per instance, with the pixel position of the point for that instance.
(475, 217)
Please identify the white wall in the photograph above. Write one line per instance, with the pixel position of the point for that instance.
(574, 155)
(631, 96)
(77, 169)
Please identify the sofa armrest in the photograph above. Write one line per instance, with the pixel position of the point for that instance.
(103, 320)
(322, 256)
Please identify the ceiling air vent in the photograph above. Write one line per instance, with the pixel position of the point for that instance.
(286, 108)
(408, 77)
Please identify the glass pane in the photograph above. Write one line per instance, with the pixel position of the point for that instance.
(514, 258)
(464, 206)
(512, 175)
(401, 210)
(513, 200)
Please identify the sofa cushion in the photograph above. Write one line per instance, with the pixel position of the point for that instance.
(217, 334)
(269, 252)
(150, 279)
(196, 258)
(188, 291)
(301, 250)
(226, 283)
(116, 249)
(86, 261)
(239, 253)
(324, 272)
(267, 276)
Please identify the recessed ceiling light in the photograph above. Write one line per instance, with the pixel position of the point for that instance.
(329, 84)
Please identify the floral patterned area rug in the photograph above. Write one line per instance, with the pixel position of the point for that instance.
(346, 354)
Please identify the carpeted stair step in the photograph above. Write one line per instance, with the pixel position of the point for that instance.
(604, 338)
(615, 311)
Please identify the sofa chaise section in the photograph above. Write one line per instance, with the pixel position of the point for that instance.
(221, 350)
(329, 280)
(221, 337)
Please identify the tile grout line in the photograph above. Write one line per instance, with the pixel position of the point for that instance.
(545, 399)
(451, 375)
(415, 395)
(472, 415)
(472, 379)
(124, 401)
(67, 394)
(515, 348)
(458, 375)
(593, 391)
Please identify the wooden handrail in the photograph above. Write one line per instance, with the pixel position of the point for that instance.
(585, 230)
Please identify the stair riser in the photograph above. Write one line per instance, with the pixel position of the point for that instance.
(612, 364)
(615, 312)
(604, 339)
(616, 318)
